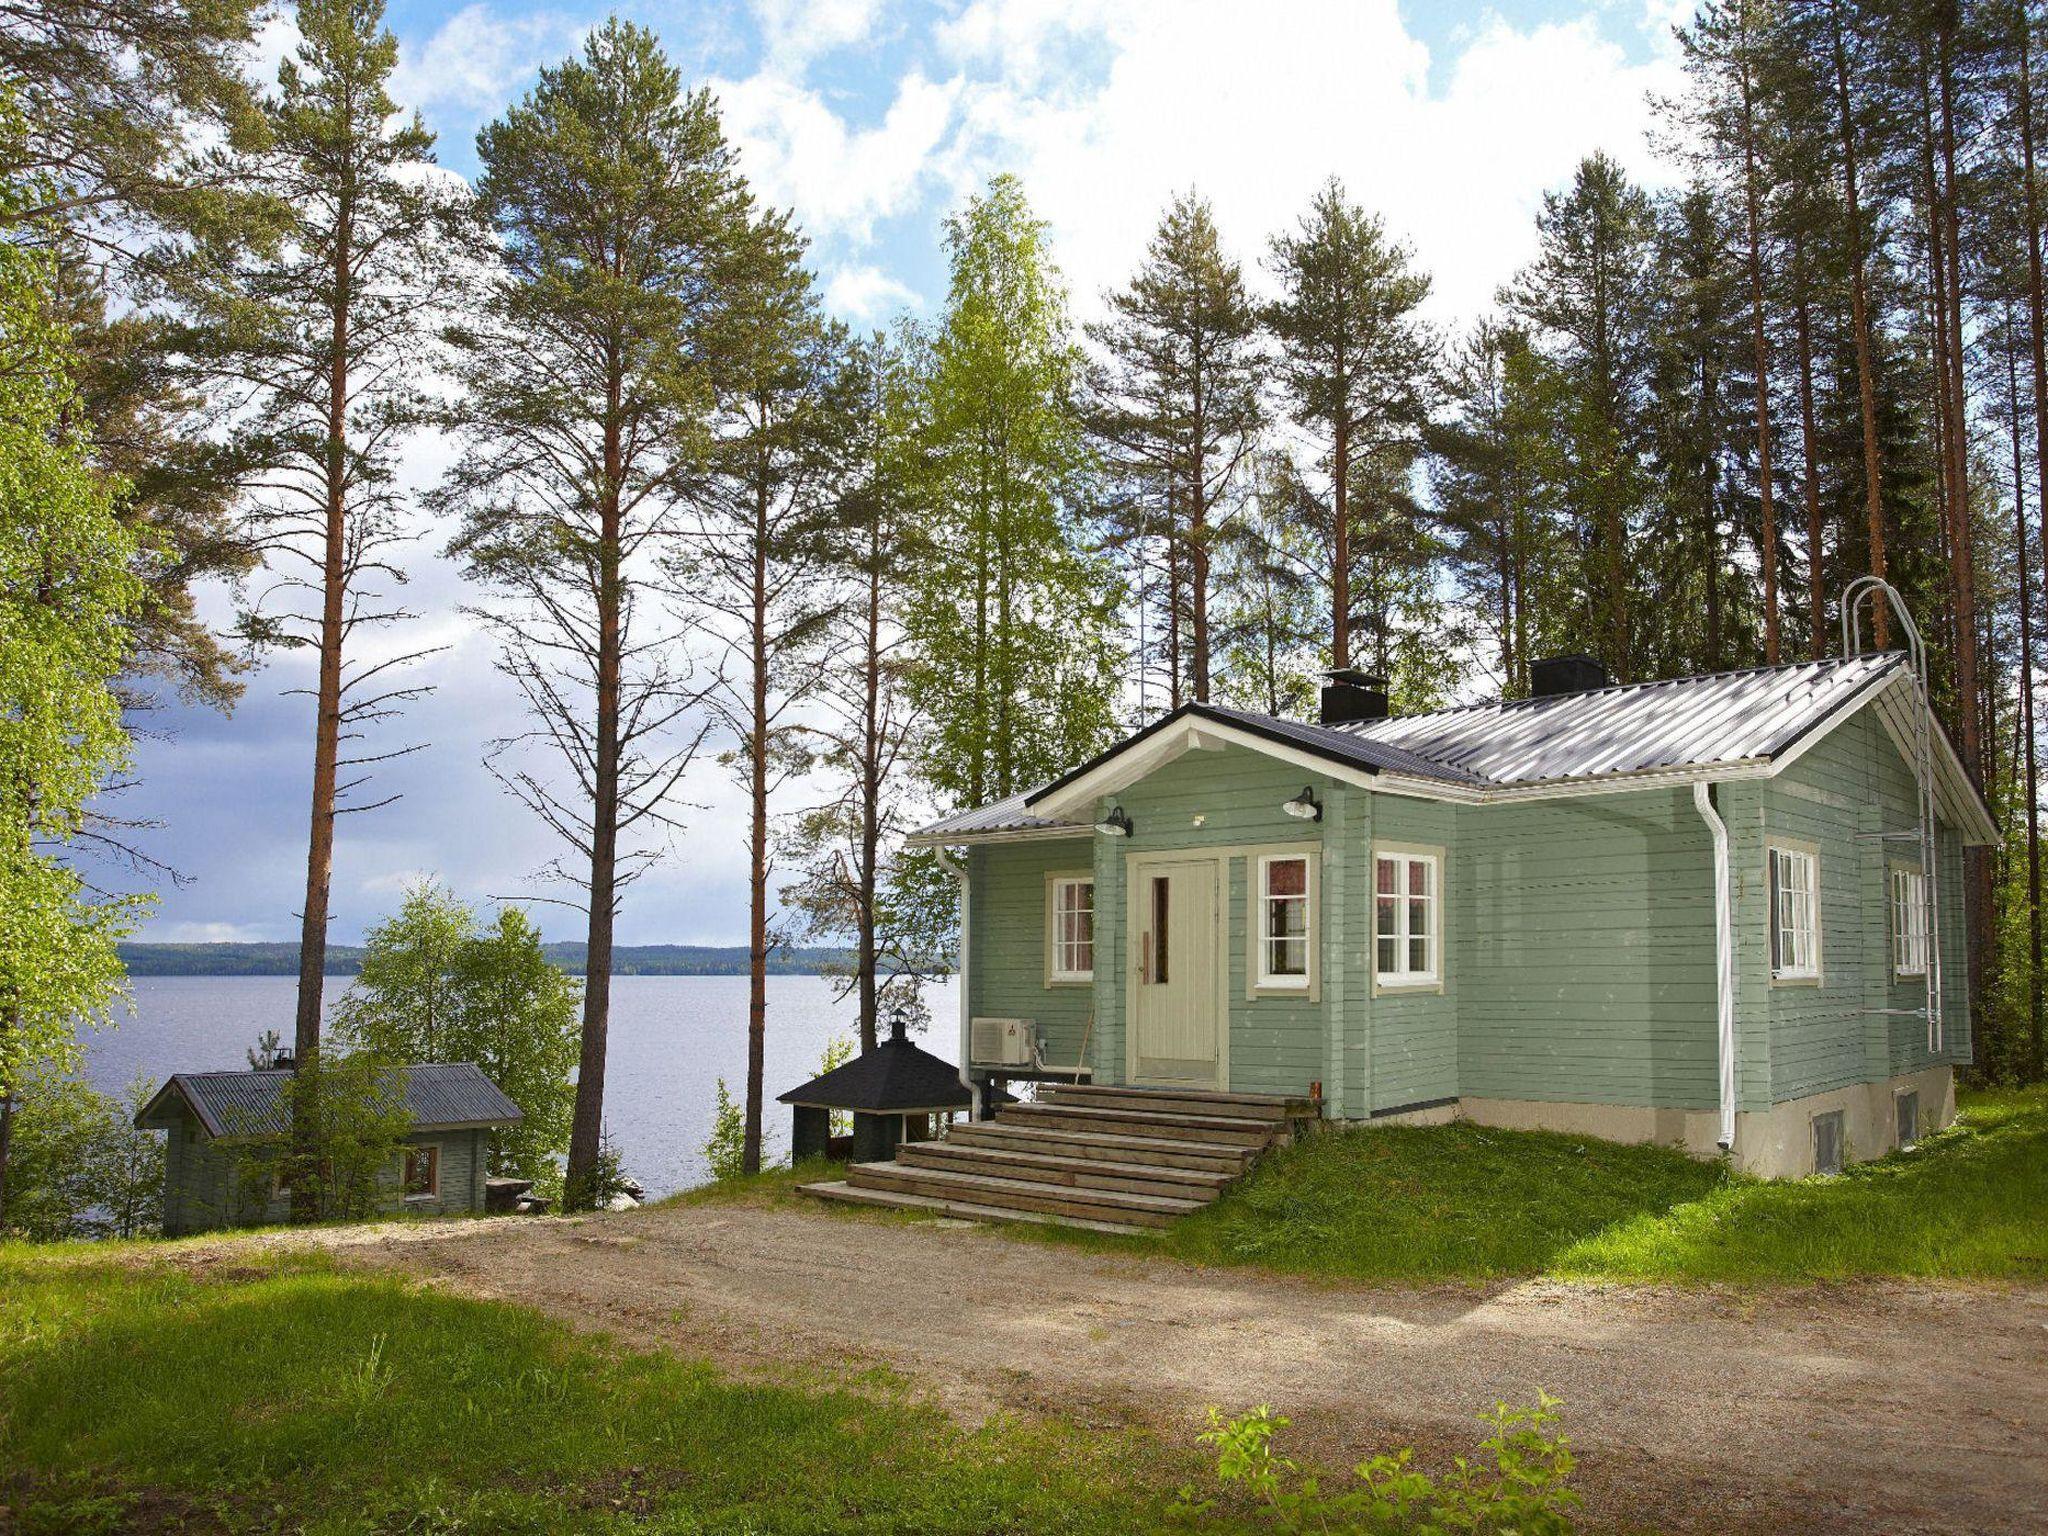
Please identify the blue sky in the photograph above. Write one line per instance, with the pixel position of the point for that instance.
(872, 120)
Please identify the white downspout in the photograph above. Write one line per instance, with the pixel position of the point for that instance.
(959, 873)
(1724, 956)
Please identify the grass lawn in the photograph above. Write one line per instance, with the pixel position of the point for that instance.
(259, 1392)
(1465, 1203)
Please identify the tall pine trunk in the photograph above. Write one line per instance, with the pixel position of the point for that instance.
(870, 793)
(313, 915)
(1340, 542)
(1198, 550)
(2037, 335)
(1816, 589)
(586, 1129)
(1962, 552)
(757, 839)
(1760, 347)
(1859, 317)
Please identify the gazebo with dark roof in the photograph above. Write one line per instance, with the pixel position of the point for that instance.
(892, 1091)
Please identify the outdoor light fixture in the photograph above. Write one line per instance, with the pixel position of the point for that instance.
(1115, 824)
(1304, 806)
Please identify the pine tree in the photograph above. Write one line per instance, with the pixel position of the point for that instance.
(1588, 301)
(846, 846)
(333, 380)
(586, 401)
(1177, 402)
(1354, 362)
(756, 555)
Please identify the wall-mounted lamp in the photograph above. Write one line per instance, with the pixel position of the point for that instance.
(1304, 806)
(1115, 824)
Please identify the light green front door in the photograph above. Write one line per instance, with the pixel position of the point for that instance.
(1177, 1033)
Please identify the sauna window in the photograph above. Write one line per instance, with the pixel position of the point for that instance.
(1071, 938)
(1286, 921)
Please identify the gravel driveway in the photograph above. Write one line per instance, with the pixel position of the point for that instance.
(1866, 1408)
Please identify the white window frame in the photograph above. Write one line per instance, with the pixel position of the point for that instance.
(1262, 940)
(1784, 972)
(1908, 892)
(405, 1155)
(1057, 974)
(1403, 978)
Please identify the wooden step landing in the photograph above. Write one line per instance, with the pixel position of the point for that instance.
(1075, 1172)
(1186, 1101)
(1147, 1151)
(1229, 1130)
(847, 1194)
(1022, 1194)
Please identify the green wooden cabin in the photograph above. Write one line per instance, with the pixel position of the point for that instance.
(221, 1128)
(1719, 911)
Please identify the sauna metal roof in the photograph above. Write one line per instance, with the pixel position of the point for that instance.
(439, 1096)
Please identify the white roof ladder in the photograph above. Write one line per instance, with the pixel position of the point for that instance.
(1870, 590)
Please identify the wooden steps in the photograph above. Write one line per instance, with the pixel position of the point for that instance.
(1150, 1151)
(1107, 1159)
(846, 1194)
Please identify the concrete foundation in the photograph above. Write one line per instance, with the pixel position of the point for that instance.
(1777, 1143)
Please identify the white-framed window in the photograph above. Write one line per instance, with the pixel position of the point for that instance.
(1407, 917)
(1070, 934)
(1795, 913)
(1909, 922)
(1286, 920)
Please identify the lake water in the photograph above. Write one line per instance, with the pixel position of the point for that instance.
(671, 1039)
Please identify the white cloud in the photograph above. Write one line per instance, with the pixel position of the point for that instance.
(801, 154)
(477, 59)
(1255, 107)
(867, 293)
(795, 31)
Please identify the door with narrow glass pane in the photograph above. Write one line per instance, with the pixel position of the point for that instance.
(1176, 1007)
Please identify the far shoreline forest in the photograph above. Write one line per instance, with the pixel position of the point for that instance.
(713, 534)
(261, 959)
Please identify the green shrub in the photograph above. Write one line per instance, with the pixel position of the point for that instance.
(725, 1150)
(1515, 1484)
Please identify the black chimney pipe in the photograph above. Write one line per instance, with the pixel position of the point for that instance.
(1555, 675)
(1351, 695)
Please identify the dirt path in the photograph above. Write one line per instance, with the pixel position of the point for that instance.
(1865, 1408)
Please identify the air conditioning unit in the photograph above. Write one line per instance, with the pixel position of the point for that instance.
(1001, 1042)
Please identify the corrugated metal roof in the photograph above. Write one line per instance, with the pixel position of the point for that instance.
(1686, 722)
(438, 1096)
(1366, 751)
(1716, 719)
(1003, 816)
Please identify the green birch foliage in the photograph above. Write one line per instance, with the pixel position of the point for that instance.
(439, 985)
(77, 1166)
(1012, 615)
(67, 586)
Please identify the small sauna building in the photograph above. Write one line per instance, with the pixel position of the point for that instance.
(897, 1092)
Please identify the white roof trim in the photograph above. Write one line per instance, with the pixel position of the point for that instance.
(1078, 796)
(1064, 833)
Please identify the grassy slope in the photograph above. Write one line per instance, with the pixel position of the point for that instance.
(268, 1393)
(1464, 1203)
